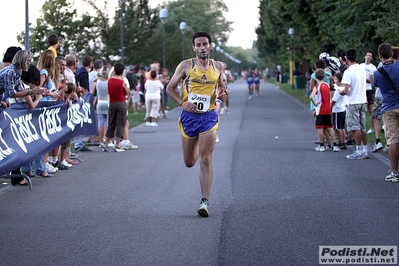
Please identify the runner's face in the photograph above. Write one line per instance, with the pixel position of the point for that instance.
(202, 47)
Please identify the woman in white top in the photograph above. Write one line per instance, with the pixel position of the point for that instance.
(153, 88)
(101, 101)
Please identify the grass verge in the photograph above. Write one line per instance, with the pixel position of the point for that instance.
(139, 118)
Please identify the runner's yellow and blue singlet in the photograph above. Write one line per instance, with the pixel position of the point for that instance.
(199, 87)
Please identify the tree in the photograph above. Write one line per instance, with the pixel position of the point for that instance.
(324, 26)
(141, 40)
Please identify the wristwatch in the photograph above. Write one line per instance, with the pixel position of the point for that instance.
(29, 92)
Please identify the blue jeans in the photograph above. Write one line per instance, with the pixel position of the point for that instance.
(39, 165)
(26, 168)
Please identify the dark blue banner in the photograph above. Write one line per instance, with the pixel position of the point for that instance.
(26, 134)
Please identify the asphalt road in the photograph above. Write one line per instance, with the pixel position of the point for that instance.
(274, 199)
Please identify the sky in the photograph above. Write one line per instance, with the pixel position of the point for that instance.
(245, 18)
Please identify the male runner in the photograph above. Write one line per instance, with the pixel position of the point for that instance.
(202, 82)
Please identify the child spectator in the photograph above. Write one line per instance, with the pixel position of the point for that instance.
(54, 42)
(323, 111)
(338, 105)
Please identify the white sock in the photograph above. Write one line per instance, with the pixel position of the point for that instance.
(359, 149)
(365, 149)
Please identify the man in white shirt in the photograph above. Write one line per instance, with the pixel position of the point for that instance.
(354, 80)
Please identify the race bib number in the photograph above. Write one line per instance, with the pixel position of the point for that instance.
(201, 101)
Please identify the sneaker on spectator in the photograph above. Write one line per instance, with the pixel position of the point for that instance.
(127, 145)
(50, 169)
(226, 110)
(153, 124)
(147, 124)
(65, 163)
(391, 177)
(370, 131)
(377, 147)
(320, 148)
(119, 149)
(336, 149)
(365, 155)
(60, 166)
(355, 156)
(342, 147)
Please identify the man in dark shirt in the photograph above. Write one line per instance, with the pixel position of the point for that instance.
(83, 72)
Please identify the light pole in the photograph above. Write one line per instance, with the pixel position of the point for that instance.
(183, 28)
(163, 15)
(27, 25)
(122, 2)
(291, 32)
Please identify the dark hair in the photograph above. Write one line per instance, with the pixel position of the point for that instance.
(339, 76)
(351, 54)
(119, 68)
(341, 53)
(320, 63)
(31, 76)
(202, 34)
(87, 60)
(58, 58)
(319, 74)
(71, 87)
(395, 55)
(385, 50)
(52, 39)
(371, 52)
(10, 53)
(153, 74)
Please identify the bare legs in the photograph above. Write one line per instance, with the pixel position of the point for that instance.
(201, 147)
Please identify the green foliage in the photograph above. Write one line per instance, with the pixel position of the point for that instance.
(99, 35)
(324, 26)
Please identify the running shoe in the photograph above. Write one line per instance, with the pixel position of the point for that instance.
(391, 177)
(127, 145)
(336, 149)
(51, 169)
(320, 148)
(203, 209)
(377, 147)
(355, 156)
(370, 131)
(65, 163)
